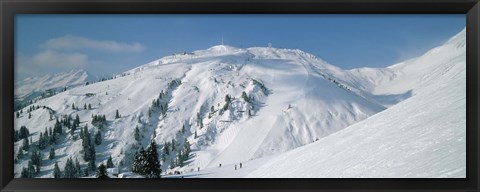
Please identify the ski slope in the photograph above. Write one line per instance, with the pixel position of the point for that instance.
(423, 136)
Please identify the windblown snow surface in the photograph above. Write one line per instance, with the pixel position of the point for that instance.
(307, 118)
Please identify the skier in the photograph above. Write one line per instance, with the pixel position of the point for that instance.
(240, 165)
(198, 169)
(220, 165)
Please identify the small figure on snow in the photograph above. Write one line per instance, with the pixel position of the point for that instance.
(240, 165)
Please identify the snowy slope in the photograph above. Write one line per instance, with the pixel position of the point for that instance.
(388, 86)
(290, 105)
(422, 136)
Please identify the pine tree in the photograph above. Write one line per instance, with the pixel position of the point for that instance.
(91, 163)
(245, 97)
(24, 173)
(137, 134)
(20, 153)
(23, 133)
(86, 172)
(73, 106)
(41, 146)
(139, 162)
(78, 170)
(117, 114)
(15, 136)
(52, 153)
(25, 145)
(102, 172)
(18, 115)
(77, 120)
(110, 162)
(31, 169)
(69, 170)
(56, 171)
(166, 149)
(98, 138)
(29, 115)
(89, 106)
(85, 106)
(152, 167)
(36, 159)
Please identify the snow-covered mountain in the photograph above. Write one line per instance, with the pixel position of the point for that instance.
(234, 105)
(423, 136)
(34, 87)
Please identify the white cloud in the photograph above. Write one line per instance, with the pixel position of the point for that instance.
(74, 42)
(51, 58)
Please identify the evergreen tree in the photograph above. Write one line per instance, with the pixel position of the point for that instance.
(20, 153)
(166, 149)
(36, 159)
(89, 106)
(41, 146)
(85, 106)
(78, 170)
(52, 153)
(15, 136)
(139, 162)
(18, 115)
(73, 106)
(24, 173)
(110, 162)
(82, 134)
(152, 166)
(58, 127)
(25, 145)
(91, 163)
(56, 171)
(31, 169)
(98, 138)
(86, 172)
(117, 114)
(245, 97)
(137, 134)
(77, 120)
(23, 133)
(102, 172)
(29, 115)
(69, 170)
(227, 102)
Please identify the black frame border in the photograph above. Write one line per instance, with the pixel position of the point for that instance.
(9, 8)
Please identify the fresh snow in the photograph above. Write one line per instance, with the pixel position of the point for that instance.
(308, 118)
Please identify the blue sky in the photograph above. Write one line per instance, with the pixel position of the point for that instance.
(108, 44)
